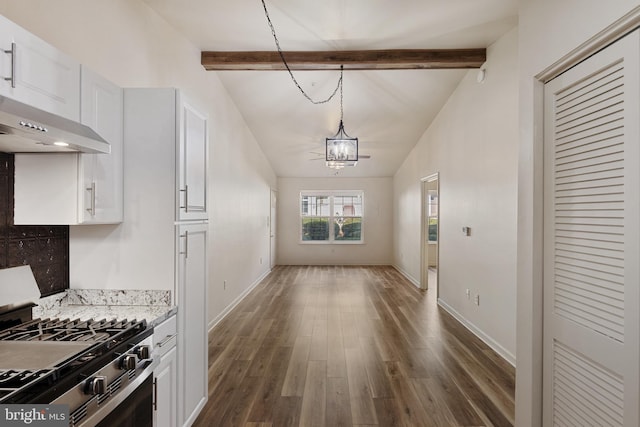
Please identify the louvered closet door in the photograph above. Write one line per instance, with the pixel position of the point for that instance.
(591, 249)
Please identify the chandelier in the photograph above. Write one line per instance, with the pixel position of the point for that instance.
(341, 149)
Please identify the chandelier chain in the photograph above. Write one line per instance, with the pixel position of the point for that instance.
(341, 109)
(284, 61)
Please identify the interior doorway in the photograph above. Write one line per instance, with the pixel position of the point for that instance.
(430, 232)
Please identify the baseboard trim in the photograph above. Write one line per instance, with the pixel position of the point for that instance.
(235, 302)
(407, 276)
(504, 353)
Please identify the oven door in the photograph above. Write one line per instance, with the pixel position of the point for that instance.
(131, 407)
(135, 411)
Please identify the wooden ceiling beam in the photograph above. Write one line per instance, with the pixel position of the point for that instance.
(395, 59)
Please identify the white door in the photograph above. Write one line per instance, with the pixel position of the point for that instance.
(272, 229)
(591, 235)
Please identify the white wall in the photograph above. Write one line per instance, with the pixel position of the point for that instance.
(128, 43)
(473, 144)
(377, 223)
(549, 30)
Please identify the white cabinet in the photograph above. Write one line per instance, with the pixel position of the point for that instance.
(101, 175)
(166, 383)
(168, 132)
(75, 188)
(45, 189)
(192, 163)
(166, 152)
(36, 73)
(166, 374)
(192, 320)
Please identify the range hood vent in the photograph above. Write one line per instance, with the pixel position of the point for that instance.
(25, 129)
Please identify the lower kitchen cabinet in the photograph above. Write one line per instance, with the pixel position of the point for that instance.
(166, 385)
(165, 381)
(192, 320)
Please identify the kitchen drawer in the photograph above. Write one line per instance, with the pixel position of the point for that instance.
(164, 336)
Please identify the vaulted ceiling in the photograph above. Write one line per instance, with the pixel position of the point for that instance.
(388, 110)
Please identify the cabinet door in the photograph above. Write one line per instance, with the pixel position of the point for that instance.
(165, 381)
(192, 321)
(192, 163)
(46, 189)
(38, 74)
(101, 191)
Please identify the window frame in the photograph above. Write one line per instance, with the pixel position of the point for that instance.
(331, 195)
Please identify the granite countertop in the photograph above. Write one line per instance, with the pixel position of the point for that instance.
(152, 305)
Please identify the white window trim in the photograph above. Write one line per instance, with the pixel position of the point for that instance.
(331, 194)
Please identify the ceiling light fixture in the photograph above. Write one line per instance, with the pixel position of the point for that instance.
(341, 149)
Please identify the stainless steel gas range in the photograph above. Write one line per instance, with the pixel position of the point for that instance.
(98, 370)
(101, 369)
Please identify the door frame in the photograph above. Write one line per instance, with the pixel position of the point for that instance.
(424, 232)
(273, 227)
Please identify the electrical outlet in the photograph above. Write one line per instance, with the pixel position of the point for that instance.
(477, 299)
(468, 294)
(260, 260)
(224, 284)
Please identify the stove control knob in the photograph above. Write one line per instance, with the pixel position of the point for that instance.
(129, 362)
(96, 385)
(144, 352)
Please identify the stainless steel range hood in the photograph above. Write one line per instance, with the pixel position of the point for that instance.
(25, 129)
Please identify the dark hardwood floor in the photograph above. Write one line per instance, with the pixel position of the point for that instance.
(350, 346)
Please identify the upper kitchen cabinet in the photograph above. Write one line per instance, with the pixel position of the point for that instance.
(101, 191)
(192, 163)
(77, 188)
(35, 73)
(162, 125)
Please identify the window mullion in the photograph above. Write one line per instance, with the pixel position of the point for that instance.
(331, 219)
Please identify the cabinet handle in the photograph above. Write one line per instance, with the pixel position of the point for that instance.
(155, 394)
(186, 244)
(92, 208)
(186, 198)
(12, 52)
(166, 340)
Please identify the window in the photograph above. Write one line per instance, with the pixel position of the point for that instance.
(331, 216)
(432, 207)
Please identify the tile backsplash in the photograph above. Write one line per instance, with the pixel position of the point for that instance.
(44, 247)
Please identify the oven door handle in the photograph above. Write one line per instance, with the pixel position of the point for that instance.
(116, 400)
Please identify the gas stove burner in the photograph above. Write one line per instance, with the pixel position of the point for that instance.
(67, 330)
(82, 336)
(16, 378)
